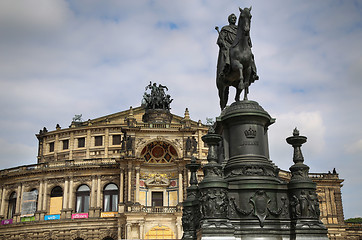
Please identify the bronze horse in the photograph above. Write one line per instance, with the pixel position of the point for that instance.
(241, 72)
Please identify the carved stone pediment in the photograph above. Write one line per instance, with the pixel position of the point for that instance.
(157, 181)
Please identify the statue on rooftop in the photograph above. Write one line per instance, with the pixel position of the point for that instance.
(157, 99)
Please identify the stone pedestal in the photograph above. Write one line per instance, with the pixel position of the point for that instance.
(304, 204)
(191, 206)
(258, 199)
(214, 199)
(244, 198)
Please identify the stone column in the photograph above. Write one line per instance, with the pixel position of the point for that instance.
(92, 197)
(199, 144)
(45, 189)
(180, 187)
(40, 199)
(121, 185)
(128, 230)
(56, 146)
(106, 143)
(137, 193)
(65, 199)
(129, 182)
(21, 197)
(71, 145)
(19, 202)
(121, 191)
(17, 208)
(40, 202)
(70, 198)
(99, 207)
(142, 229)
(2, 206)
(88, 143)
(179, 228)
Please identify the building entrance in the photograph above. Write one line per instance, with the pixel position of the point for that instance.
(157, 199)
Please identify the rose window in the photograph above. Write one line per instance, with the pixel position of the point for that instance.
(159, 152)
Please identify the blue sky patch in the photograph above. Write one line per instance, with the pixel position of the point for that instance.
(298, 90)
(168, 25)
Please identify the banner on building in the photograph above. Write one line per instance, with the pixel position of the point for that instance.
(108, 214)
(28, 204)
(27, 219)
(52, 217)
(6, 221)
(79, 215)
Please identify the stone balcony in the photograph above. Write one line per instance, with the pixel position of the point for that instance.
(156, 210)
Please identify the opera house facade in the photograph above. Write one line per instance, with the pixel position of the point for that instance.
(120, 176)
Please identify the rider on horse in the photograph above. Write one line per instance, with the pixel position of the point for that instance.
(236, 66)
(225, 40)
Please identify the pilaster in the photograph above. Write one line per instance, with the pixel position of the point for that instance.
(2, 206)
(121, 206)
(137, 190)
(65, 199)
(97, 211)
(88, 144)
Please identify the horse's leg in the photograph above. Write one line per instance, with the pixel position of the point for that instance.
(221, 87)
(240, 85)
(247, 79)
(237, 95)
(226, 95)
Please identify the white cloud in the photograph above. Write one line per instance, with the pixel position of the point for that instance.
(310, 124)
(60, 58)
(355, 147)
(16, 154)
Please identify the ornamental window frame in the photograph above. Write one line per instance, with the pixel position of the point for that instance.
(110, 197)
(51, 147)
(81, 141)
(82, 199)
(117, 139)
(12, 205)
(98, 141)
(65, 144)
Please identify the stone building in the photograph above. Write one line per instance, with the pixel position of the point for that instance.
(120, 176)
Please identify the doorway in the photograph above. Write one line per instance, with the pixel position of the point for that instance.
(157, 199)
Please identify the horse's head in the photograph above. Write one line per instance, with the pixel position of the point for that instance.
(244, 20)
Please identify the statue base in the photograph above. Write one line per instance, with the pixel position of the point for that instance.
(214, 229)
(156, 116)
(259, 202)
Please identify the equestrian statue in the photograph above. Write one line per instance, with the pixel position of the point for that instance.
(236, 66)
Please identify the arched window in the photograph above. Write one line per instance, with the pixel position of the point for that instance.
(36, 193)
(56, 200)
(159, 152)
(12, 205)
(56, 192)
(82, 203)
(110, 198)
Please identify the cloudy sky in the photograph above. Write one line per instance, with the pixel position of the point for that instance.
(61, 58)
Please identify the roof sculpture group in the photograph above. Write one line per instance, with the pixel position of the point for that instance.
(156, 104)
(157, 99)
